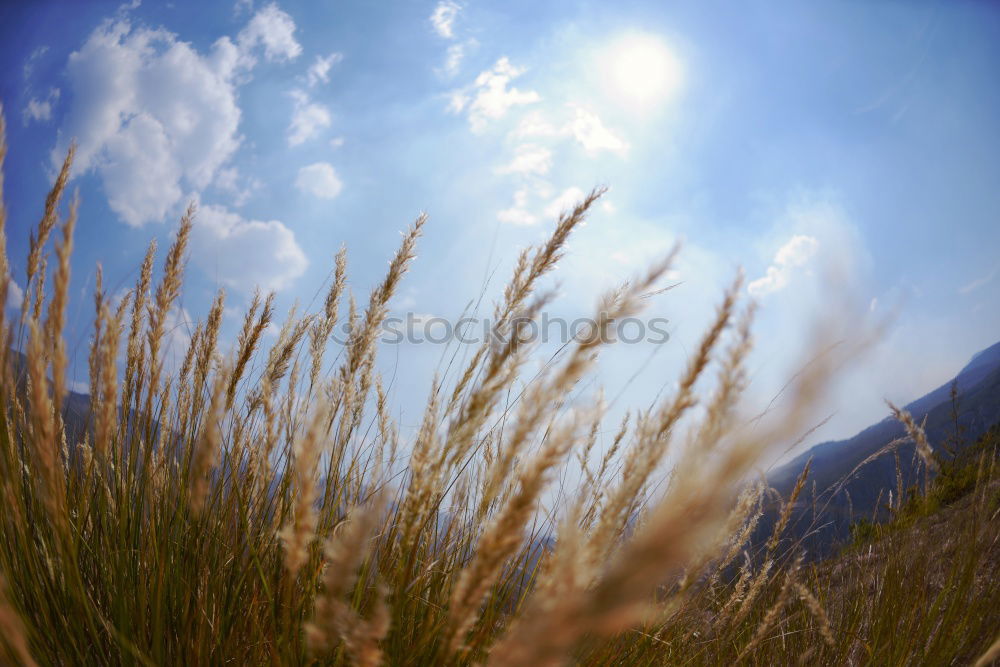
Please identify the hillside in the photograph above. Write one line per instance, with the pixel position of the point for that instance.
(844, 492)
(930, 556)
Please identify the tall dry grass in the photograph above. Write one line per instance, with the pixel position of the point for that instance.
(256, 505)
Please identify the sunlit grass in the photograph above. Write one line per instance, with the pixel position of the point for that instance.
(257, 505)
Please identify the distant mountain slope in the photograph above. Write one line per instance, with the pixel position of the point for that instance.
(76, 406)
(978, 408)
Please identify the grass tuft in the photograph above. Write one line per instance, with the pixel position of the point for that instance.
(258, 505)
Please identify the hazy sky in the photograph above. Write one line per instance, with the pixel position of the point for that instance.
(855, 143)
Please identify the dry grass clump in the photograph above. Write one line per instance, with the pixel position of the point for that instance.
(256, 506)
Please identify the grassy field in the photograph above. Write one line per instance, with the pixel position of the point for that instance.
(257, 505)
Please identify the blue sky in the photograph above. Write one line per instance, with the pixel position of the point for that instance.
(827, 148)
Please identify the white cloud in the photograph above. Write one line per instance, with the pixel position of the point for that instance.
(794, 254)
(457, 101)
(229, 180)
(569, 198)
(530, 159)
(142, 174)
(319, 71)
(320, 180)
(583, 126)
(15, 295)
(534, 201)
(40, 109)
(797, 251)
(518, 214)
(154, 117)
(774, 280)
(308, 119)
(336, 142)
(588, 130)
(443, 18)
(275, 31)
(29, 64)
(535, 124)
(489, 98)
(453, 59)
(242, 254)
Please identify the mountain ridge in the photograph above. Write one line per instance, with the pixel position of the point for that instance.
(845, 492)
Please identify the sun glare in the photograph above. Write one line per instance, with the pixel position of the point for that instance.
(641, 71)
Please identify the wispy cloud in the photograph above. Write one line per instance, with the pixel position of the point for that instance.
(274, 30)
(319, 71)
(443, 18)
(308, 118)
(455, 55)
(588, 130)
(566, 200)
(534, 202)
(978, 282)
(529, 159)
(29, 65)
(795, 253)
(518, 214)
(582, 125)
(491, 96)
(240, 188)
(40, 109)
(319, 180)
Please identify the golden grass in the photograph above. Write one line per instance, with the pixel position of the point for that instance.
(257, 506)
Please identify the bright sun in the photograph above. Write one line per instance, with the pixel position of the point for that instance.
(641, 71)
